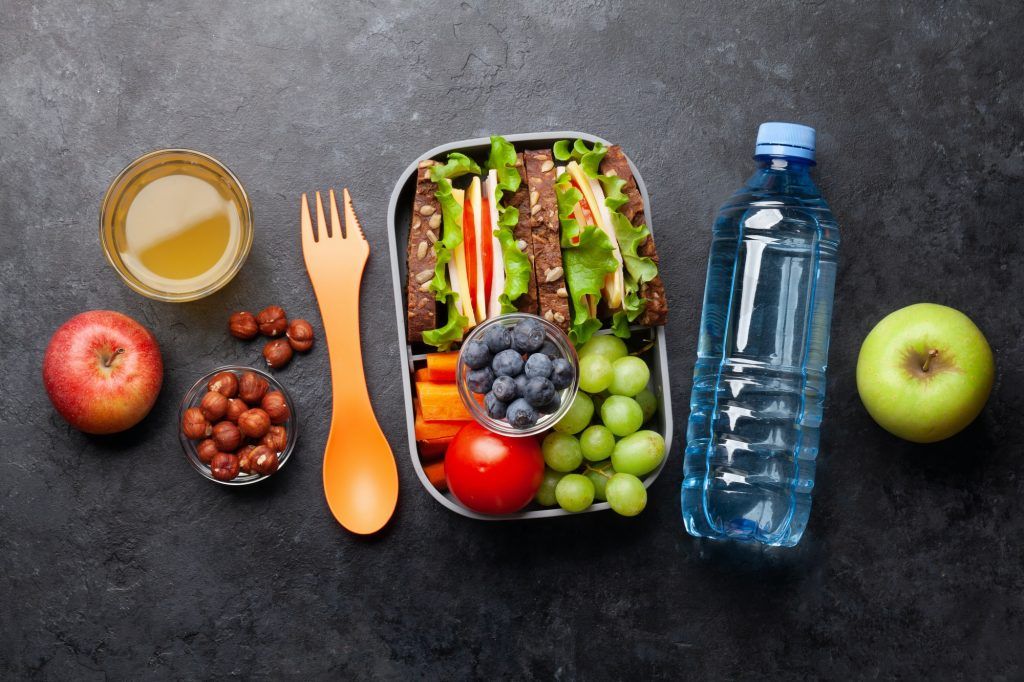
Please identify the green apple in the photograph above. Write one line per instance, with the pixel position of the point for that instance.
(924, 372)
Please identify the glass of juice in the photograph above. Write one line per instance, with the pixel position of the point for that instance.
(176, 225)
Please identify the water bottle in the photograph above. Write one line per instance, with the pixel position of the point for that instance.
(759, 381)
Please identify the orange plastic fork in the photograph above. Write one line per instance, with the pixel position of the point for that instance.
(360, 476)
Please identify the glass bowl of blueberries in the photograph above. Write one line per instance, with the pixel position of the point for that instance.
(517, 374)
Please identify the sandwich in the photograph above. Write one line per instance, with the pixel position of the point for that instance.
(558, 233)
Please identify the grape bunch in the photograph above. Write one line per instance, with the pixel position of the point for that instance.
(597, 450)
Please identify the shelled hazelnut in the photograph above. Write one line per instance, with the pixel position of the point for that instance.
(225, 383)
(226, 436)
(265, 460)
(224, 466)
(272, 321)
(254, 423)
(276, 438)
(245, 461)
(194, 424)
(300, 335)
(243, 325)
(276, 407)
(252, 387)
(236, 406)
(277, 353)
(206, 450)
(214, 406)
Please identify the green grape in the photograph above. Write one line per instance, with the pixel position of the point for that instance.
(626, 494)
(561, 452)
(610, 347)
(574, 492)
(546, 492)
(639, 453)
(595, 373)
(577, 417)
(621, 415)
(629, 376)
(599, 474)
(648, 403)
(597, 443)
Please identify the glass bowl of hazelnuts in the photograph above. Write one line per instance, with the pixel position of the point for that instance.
(237, 425)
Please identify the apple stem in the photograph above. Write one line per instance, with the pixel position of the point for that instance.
(928, 360)
(108, 361)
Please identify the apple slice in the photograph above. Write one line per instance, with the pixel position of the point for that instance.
(497, 264)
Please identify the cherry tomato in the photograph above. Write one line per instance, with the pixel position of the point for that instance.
(491, 473)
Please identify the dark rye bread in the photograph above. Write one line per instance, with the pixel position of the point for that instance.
(656, 311)
(552, 296)
(421, 257)
(523, 232)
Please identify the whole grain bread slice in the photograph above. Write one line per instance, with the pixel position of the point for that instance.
(523, 232)
(656, 310)
(421, 257)
(552, 294)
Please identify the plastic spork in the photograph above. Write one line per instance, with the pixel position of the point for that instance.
(360, 476)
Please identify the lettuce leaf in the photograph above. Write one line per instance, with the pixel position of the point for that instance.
(458, 164)
(585, 266)
(567, 197)
(444, 337)
(502, 160)
(588, 157)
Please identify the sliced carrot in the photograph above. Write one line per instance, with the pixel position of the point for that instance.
(441, 402)
(435, 473)
(434, 447)
(469, 239)
(423, 374)
(441, 367)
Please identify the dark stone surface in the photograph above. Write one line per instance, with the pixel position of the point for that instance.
(119, 561)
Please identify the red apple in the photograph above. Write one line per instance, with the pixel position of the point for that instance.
(102, 371)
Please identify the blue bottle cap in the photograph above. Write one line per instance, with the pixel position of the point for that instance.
(785, 139)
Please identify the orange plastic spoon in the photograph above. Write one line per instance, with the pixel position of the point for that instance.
(360, 476)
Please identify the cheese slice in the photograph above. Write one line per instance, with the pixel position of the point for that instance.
(480, 301)
(614, 282)
(457, 271)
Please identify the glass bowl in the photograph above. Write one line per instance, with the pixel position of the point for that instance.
(133, 180)
(196, 393)
(475, 405)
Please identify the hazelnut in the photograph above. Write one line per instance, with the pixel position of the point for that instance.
(276, 438)
(206, 450)
(265, 460)
(276, 407)
(245, 460)
(214, 406)
(277, 353)
(272, 321)
(236, 407)
(300, 335)
(251, 388)
(194, 424)
(243, 326)
(225, 383)
(226, 436)
(224, 466)
(254, 423)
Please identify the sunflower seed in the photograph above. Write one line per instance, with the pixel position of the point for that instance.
(553, 274)
(425, 276)
(427, 209)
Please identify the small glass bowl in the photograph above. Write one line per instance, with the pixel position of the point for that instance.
(195, 395)
(475, 405)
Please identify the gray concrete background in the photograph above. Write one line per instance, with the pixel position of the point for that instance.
(118, 561)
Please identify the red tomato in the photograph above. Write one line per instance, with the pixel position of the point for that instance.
(469, 239)
(491, 473)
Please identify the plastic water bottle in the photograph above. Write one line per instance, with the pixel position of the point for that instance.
(759, 381)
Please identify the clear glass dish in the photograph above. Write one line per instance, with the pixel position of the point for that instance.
(546, 421)
(131, 181)
(195, 394)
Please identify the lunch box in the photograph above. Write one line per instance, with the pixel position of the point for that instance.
(399, 218)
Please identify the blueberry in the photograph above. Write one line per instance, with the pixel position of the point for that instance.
(480, 380)
(539, 391)
(495, 408)
(521, 414)
(528, 336)
(550, 349)
(538, 365)
(498, 338)
(561, 374)
(507, 363)
(504, 388)
(551, 407)
(476, 355)
(521, 385)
